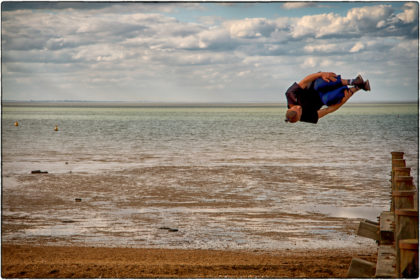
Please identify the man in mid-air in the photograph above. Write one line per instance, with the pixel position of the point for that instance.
(306, 98)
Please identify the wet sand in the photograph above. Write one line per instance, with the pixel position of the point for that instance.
(212, 208)
(89, 262)
(119, 228)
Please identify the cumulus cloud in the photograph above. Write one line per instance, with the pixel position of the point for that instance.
(357, 47)
(251, 28)
(378, 19)
(135, 47)
(327, 48)
(410, 14)
(297, 5)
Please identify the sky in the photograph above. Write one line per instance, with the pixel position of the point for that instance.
(205, 52)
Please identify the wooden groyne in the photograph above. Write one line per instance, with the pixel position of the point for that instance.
(396, 231)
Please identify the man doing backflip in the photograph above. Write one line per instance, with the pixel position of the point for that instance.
(306, 98)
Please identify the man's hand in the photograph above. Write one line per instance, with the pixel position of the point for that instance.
(328, 76)
(347, 95)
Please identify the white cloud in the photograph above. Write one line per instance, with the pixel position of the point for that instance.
(323, 48)
(297, 5)
(357, 47)
(378, 19)
(317, 25)
(410, 14)
(250, 27)
(309, 62)
(244, 73)
(408, 48)
(215, 38)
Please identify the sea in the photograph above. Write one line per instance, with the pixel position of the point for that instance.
(198, 176)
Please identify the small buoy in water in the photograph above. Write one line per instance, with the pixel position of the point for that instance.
(16, 124)
(56, 128)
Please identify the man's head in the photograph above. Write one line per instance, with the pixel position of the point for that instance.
(293, 114)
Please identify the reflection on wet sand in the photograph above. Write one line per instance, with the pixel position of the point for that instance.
(219, 207)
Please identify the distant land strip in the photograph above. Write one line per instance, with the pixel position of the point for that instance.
(65, 103)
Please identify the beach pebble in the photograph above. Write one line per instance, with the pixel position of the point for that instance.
(169, 229)
(39, 172)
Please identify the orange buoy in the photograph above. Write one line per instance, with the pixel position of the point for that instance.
(16, 124)
(56, 128)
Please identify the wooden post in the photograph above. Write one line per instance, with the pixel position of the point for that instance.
(406, 227)
(409, 254)
(368, 229)
(399, 258)
(406, 224)
(386, 228)
(385, 265)
(397, 155)
(361, 269)
(403, 199)
(400, 171)
(404, 183)
(398, 163)
(400, 183)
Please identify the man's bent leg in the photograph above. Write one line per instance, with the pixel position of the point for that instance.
(322, 86)
(333, 97)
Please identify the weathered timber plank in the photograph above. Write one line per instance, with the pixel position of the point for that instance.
(386, 263)
(409, 258)
(361, 269)
(386, 228)
(407, 227)
(368, 229)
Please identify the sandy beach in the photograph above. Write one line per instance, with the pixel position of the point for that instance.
(90, 262)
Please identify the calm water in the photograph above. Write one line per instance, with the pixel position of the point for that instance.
(337, 168)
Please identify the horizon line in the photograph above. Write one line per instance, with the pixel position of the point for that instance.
(18, 103)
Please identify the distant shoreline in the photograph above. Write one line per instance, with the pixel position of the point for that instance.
(134, 104)
(128, 104)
